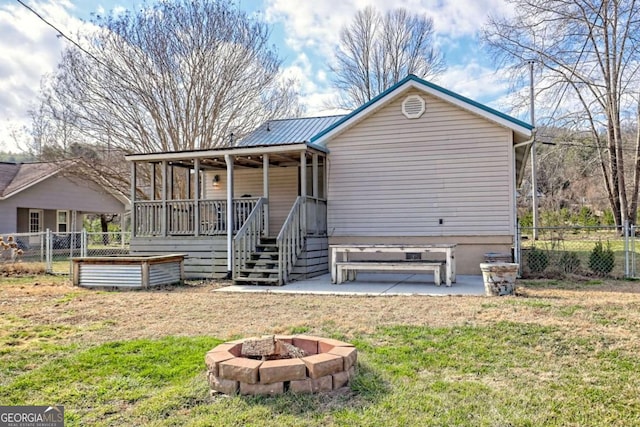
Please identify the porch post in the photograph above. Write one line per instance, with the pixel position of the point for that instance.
(265, 191)
(314, 166)
(152, 196)
(314, 189)
(133, 199)
(229, 161)
(171, 182)
(303, 189)
(163, 220)
(196, 196)
(188, 183)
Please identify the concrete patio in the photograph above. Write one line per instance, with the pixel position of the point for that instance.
(373, 284)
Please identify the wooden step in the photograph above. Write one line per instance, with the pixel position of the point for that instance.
(270, 248)
(263, 256)
(272, 280)
(261, 262)
(259, 270)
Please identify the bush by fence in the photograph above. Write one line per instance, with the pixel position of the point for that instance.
(585, 251)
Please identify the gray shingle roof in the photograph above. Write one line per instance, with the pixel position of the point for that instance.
(287, 131)
(16, 177)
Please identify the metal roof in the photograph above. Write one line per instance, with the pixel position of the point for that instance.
(287, 131)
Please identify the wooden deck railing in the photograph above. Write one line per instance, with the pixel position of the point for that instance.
(316, 220)
(291, 240)
(148, 218)
(179, 219)
(246, 240)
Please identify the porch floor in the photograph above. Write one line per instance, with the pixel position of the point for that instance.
(372, 284)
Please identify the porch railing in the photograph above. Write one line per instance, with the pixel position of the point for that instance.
(291, 240)
(316, 220)
(148, 218)
(246, 240)
(180, 218)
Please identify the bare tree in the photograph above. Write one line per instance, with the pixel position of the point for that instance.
(376, 51)
(174, 76)
(588, 53)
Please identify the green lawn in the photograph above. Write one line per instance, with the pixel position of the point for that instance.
(505, 374)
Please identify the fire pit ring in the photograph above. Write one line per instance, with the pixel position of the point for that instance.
(274, 364)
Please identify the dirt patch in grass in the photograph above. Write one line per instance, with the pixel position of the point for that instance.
(609, 308)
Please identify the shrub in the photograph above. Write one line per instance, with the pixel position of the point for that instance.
(608, 218)
(526, 220)
(569, 262)
(586, 217)
(10, 251)
(537, 260)
(602, 259)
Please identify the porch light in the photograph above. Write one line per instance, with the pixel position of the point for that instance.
(216, 179)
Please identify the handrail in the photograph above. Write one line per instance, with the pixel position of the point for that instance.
(291, 240)
(247, 239)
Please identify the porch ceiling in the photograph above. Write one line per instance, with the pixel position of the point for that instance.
(244, 157)
(251, 162)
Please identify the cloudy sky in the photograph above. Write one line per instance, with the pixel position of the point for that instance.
(305, 33)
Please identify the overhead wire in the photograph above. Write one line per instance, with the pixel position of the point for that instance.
(63, 35)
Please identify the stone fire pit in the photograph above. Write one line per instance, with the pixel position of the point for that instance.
(274, 364)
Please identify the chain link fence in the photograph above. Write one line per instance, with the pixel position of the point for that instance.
(52, 252)
(583, 251)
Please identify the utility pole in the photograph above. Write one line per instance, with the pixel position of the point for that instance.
(534, 180)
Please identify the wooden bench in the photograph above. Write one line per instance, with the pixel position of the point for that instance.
(348, 269)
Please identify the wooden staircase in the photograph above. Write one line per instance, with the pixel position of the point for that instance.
(262, 266)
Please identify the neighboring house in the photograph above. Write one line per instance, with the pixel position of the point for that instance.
(35, 197)
(417, 164)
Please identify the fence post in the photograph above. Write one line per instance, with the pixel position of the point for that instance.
(84, 243)
(517, 244)
(626, 249)
(632, 248)
(48, 250)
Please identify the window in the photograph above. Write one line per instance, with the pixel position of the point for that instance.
(35, 220)
(62, 221)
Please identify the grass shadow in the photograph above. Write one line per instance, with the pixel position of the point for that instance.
(365, 389)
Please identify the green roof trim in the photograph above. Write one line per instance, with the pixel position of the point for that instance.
(433, 86)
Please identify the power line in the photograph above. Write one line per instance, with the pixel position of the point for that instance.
(63, 35)
(581, 145)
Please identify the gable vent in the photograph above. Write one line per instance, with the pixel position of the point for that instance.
(413, 107)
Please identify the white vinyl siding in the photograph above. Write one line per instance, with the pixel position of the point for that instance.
(283, 190)
(393, 176)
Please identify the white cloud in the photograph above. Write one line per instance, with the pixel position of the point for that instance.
(314, 27)
(311, 29)
(318, 23)
(474, 81)
(30, 49)
(315, 94)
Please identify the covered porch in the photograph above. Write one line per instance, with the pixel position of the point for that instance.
(236, 204)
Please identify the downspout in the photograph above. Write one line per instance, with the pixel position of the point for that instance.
(521, 144)
(516, 237)
(230, 226)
